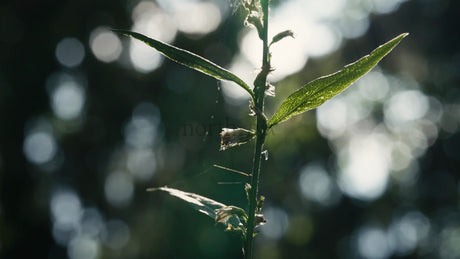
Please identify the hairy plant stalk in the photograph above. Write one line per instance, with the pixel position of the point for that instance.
(261, 130)
(259, 90)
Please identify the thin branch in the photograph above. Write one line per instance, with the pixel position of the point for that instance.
(231, 170)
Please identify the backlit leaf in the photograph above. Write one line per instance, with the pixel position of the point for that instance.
(324, 88)
(189, 59)
(204, 205)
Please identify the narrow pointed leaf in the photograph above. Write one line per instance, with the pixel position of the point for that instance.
(324, 88)
(282, 35)
(200, 203)
(189, 59)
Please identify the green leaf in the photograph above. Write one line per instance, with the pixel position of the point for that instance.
(324, 88)
(206, 206)
(189, 59)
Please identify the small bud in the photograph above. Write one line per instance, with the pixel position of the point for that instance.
(260, 204)
(234, 137)
(282, 35)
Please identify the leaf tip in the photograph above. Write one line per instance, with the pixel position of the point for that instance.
(153, 189)
(402, 36)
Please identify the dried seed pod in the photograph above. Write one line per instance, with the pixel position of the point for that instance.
(234, 137)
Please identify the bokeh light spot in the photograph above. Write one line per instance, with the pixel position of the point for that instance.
(332, 118)
(374, 86)
(66, 207)
(316, 185)
(105, 44)
(372, 243)
(70, 52)
(67, 100)
(277, 223)
(151, 21)
(117, 234)
(141, 131)
(197, 17)
(143, 57)
(405, 106)
(119, 189)
(401, 156)
(92, 223)
(142, 163)
(39, 147)
(66, 212)
(83, 247)
(364, 167)
(449, 240)
(408, 231)
(233, 93)
(386, 6)
(250, 45)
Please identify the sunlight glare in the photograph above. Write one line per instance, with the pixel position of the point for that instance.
(312, 38)
(323, 9)
(250, 46)
(197, 18)
(233, 93)
(153, 22)
(192, 16)
(364, 165)
(352, 26)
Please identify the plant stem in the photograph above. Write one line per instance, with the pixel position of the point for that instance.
(265, 58)
(253, 193)
(259, 90)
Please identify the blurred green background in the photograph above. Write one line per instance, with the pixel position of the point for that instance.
(90, 119)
